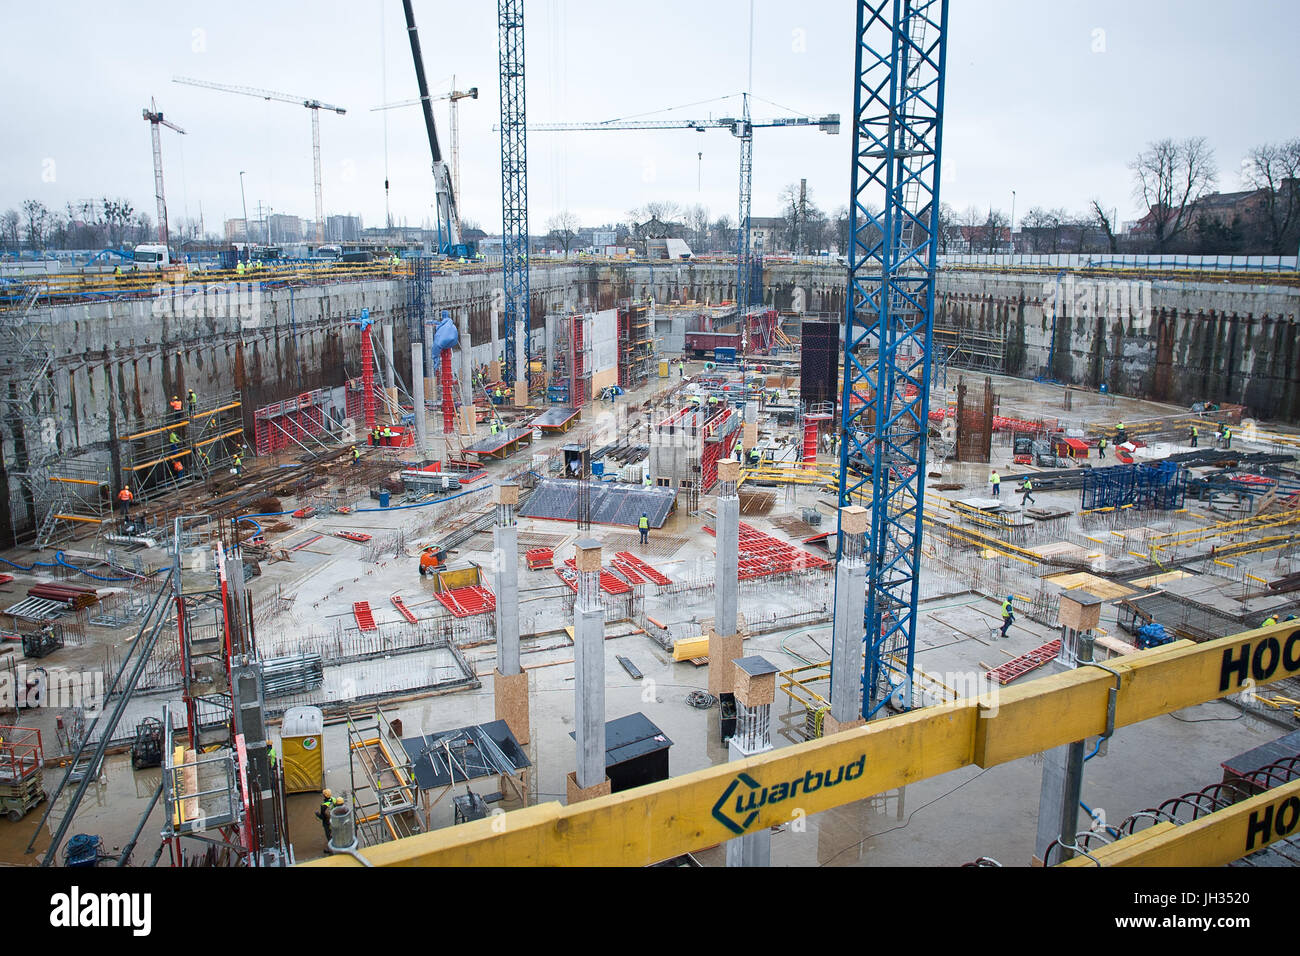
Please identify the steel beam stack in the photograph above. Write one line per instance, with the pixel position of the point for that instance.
(897, 132)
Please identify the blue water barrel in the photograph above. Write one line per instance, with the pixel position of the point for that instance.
(383, 498)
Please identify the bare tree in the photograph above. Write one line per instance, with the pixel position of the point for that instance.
(9, 224)
(947, 222)
(38, 218)
(697, 220)
(724, 232)
(1169, 178)
(993, 227)
(1107, 227)
(563, 228)
(117, 218)
(1275, 168)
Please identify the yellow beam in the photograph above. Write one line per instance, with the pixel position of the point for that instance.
(1213, 840)
(662, 820)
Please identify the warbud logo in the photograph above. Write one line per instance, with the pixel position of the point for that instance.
(744, 796)
(209, 300)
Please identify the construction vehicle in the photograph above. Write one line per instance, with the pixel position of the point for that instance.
(1023, 448)
(450, 241)
(146, 749)
(431, 559)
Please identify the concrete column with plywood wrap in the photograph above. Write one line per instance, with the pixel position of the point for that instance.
(754, 680)
(1062, 784)
(589, 779)
(850, 608)
(510, 682)
(494, 364)
(521, 363)
(725, 641)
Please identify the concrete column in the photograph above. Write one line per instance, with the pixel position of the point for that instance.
(850, 605)
(521, 364)
(1062, 785)
(725, 641)
(495, 337)
(510, 682)
(417, 393)
(390, 372)
(727, 566)
(467, 422)
(589, 779)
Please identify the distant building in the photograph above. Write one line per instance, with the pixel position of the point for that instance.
(766, 234)
(284, 228)
(343, 228)
(236, 230)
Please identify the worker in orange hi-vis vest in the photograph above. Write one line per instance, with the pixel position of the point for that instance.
(124, 501)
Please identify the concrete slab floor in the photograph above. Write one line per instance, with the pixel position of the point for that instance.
(944, 821)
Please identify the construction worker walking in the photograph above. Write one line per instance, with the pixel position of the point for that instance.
(1007, 617)
(124, 500)
(1026, 492)
(644, 526)
(1101, 447)
(193, 399)
(1195, 434)
(995, 481)
(1227, 437)
(238, 465)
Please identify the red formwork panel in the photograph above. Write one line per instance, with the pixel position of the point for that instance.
(1018, 667)
(762, 555)
(467, 601)
(402, 609)
(365, 617)
(610, 583)
(640, 567)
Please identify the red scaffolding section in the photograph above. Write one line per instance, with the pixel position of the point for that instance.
(577, 388)
(290, 422)
(368, 375)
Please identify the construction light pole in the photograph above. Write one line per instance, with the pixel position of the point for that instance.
(244, 201)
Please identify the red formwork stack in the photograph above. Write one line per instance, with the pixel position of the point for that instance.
(368, 377)
(289, 423)
(448, 394)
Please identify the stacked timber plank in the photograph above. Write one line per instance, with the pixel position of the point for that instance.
(73, 595)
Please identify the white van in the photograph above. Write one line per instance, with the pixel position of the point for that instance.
(150, 256)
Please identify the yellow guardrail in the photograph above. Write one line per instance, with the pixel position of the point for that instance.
(662, 820)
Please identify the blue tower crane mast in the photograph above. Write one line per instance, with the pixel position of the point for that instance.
(514, 181)
(897, 137)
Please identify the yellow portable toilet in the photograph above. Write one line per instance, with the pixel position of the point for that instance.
(663, 368)
(302, 746)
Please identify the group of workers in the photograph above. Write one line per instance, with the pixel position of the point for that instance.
(383, 435)
(1026, 487)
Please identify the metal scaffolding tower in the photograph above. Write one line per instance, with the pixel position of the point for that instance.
(514, 181)
(897, 132)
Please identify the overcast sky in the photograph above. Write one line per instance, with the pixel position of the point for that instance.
(1051, 99)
